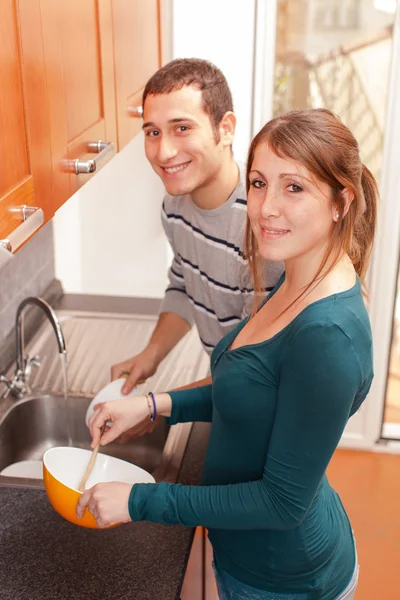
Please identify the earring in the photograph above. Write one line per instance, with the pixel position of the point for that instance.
(337, 215)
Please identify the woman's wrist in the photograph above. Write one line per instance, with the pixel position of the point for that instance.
(163, 404)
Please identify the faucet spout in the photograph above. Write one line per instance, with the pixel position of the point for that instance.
(18, 386)
(52, 317)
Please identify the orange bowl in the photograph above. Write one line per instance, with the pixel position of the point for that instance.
(64, 467)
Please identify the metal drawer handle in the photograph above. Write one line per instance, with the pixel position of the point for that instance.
(135, 111)
(32, 218)
(104, 150)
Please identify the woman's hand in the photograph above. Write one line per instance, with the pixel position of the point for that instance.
(108, 503)
(127, 413)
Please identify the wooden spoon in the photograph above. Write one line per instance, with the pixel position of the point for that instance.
(82, 485)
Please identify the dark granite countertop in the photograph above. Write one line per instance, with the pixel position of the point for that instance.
(44, 557)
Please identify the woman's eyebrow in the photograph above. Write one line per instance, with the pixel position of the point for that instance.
(282, 175)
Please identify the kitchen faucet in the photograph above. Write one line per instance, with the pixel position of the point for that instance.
(18, 386)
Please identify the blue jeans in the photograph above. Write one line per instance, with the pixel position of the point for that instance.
(232, 589)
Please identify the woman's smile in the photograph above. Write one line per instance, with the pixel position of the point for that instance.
(272, 232)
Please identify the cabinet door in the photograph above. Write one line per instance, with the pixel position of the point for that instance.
(78, 52)
(199, 582)
(137, 52)
(193, 584)
(25, 161)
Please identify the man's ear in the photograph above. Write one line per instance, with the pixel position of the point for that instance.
(227, 128)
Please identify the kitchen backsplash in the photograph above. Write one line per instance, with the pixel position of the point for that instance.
(28, 274)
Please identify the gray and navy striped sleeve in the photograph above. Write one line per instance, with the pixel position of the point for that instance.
(175, 299)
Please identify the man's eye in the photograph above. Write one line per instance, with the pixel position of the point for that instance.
(257, 183)
(294, 188)
(152, 133)
(183, 128)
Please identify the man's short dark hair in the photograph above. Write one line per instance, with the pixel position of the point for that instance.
(201, 74)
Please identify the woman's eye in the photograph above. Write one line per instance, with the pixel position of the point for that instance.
(257, 183)
(294, 188)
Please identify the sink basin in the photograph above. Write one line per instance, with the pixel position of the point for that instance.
(32, 425)
(94, 341)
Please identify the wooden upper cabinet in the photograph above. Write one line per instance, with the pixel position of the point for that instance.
(69, 69)
(25, 161)
(137, 53)
(78, 54)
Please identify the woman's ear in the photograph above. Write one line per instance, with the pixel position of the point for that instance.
(348, 197)
(227, 128)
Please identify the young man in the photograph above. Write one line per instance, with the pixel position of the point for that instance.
(189, 127)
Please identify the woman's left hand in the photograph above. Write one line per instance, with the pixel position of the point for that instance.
(108, 503)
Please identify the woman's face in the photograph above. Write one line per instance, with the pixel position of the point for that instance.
(291, 212)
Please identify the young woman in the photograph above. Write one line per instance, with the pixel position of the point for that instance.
(284, 382)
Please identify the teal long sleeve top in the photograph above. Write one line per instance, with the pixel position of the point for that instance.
(278, 409)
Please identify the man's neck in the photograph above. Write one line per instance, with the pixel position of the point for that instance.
(217, 190)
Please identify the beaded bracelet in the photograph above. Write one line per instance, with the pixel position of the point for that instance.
(154, 415)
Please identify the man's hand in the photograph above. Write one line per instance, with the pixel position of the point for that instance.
(169, 330)
(138, 369)
(145, 427)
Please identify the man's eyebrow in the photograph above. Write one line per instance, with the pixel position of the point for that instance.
(174, 121)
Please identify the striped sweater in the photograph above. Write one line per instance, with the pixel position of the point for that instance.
(209, 279)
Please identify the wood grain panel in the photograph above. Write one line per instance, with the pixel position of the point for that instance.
(53, 58)
(81, 65)
(25, 158)
(22, 194)
(36, 104)
(137, 50)
(14, 165)
(78, 47)
(78, 149)
(130, 125)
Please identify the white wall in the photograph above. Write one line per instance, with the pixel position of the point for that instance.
(108, 236)
(221, 31)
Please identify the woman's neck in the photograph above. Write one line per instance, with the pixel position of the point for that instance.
(301, 271)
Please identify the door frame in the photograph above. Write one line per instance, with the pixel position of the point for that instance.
(385, 260)
(382, 276)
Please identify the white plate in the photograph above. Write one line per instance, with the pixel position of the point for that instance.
(24, 468)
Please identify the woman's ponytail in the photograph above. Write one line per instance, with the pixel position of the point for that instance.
(365, 223)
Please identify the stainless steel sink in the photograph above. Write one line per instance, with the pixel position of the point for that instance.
(94, 341)
(30, 426)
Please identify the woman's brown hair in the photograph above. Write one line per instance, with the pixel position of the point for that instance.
(318, 140)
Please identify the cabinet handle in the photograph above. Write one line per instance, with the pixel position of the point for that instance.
(104, 150)
(135, 111)
(32, 218)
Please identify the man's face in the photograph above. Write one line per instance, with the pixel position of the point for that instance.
(180, 141)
